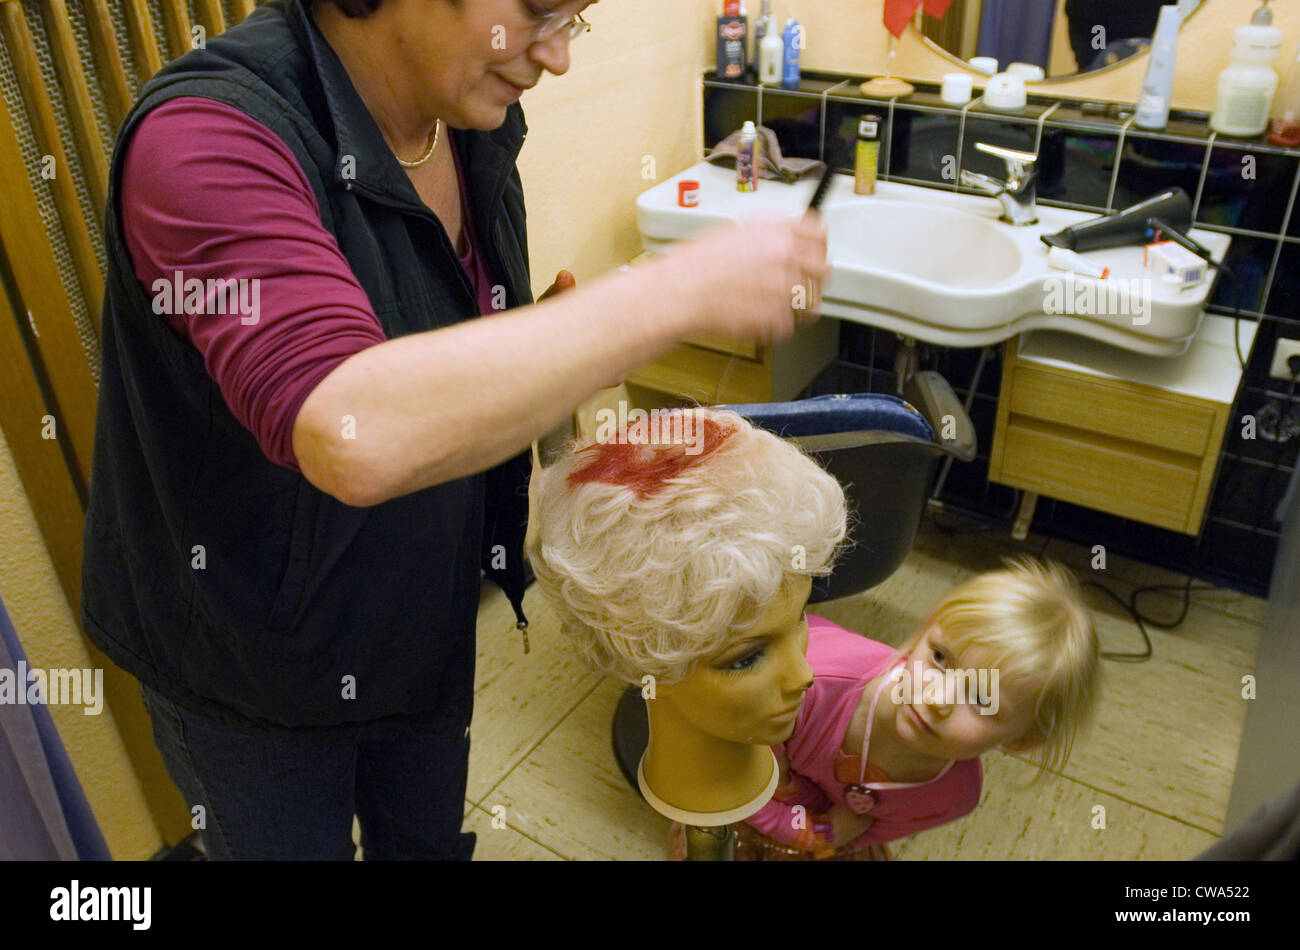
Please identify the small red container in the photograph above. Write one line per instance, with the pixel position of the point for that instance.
(688, 194)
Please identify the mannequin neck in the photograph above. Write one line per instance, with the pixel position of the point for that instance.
(693, 771)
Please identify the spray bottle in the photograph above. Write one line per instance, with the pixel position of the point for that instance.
(792, 37)
(747, 158)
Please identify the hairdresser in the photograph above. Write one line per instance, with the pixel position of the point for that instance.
(295, 485)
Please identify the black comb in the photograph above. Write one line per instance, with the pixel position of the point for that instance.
(823, 186)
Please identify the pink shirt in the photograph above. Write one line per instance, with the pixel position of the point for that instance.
(843, 663)
(211, 193)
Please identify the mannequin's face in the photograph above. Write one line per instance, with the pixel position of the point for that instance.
(933, 724)
(750, 689)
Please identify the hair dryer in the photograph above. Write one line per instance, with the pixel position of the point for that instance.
(1131, 226)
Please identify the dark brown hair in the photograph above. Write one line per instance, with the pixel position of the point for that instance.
(362, 8)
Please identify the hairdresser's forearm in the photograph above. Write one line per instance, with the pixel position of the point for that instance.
(431, 407)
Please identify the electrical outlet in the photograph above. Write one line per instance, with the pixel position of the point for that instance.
(1284, 350)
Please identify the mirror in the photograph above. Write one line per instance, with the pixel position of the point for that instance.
(1065, 38)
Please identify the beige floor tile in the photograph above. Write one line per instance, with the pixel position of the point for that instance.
(497, 841)
(518, 698)
(892, 612)
(941, 527)
(570, 796)
(1138, 574)
(1168, 729)
(1051, 820)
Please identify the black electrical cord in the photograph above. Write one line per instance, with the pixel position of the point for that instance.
(1236, 311)
(1142, 619)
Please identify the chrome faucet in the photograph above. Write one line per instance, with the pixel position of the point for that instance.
(1018, 193)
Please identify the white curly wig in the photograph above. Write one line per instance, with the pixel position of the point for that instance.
(654, 555)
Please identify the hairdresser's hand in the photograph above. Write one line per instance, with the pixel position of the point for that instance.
(754, 281)
(566, 281)
(563, 281)
(848, 825)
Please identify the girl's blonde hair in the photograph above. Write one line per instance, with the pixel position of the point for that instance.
(653, 556)
(1029, 622)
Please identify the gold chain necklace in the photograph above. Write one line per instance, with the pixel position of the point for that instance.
(428, 153)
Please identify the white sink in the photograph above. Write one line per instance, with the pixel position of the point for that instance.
(941, 267)
(942, 246)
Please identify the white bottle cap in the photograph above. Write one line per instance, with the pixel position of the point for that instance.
(1027, 71)
(1005, 91)
(985, 64)
(957, 88)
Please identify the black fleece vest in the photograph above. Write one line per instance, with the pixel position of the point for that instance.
(229, 583)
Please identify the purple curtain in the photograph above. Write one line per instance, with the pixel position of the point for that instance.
(44, 815)
(1017, 31)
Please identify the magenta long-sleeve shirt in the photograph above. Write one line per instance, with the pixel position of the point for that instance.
(211, 193)
(843, 664)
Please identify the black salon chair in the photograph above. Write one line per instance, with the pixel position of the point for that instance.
(885, 452)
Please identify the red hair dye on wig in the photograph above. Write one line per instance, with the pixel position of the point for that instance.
(645, 468)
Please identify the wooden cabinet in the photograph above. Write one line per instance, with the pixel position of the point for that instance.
(709, 369)
(1131, 435)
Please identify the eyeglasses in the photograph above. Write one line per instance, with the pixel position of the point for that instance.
(549, 23)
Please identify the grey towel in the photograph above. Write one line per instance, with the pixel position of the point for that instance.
(772, 164)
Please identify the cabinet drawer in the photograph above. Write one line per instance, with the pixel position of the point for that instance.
(1114, 408)
(1129, 480)
(708, 341)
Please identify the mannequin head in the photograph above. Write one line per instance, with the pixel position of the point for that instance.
(680, 558)
(750, 688)
(656, 556)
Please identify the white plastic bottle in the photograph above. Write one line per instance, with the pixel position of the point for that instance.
(1153, 103)
(770, 55)
(1245, 92)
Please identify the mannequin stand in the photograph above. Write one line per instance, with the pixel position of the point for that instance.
(710, 844)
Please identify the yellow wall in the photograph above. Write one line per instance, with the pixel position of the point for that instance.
(51, 639)
(628, 114)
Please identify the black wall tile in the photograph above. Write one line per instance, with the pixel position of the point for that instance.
(725, 111)
(1076, 167)
(924, 146)
(796, 120)
(1240, 552)
(958, 367)
(1245, 189)
(1284, 300)
(842, 132)
(855, 342)
(1248, 491)
(967, 482)
(1249, 259)
(1149, 166)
